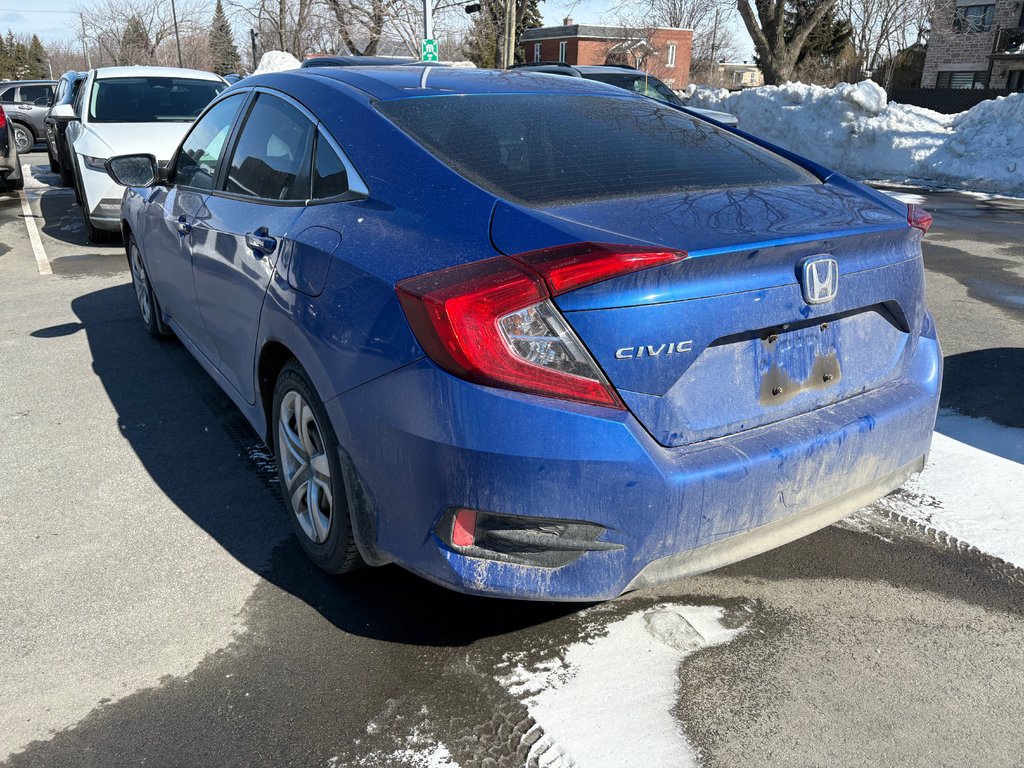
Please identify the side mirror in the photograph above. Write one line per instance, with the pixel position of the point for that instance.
(63, 113)
(133, 170)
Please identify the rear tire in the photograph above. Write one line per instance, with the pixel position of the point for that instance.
(309, 469)
(24, 140)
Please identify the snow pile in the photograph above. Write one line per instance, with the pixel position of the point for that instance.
(610, 700)
(277, 61)
(854, 129)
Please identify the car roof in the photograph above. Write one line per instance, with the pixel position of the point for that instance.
(104, 73)
(28, 82)
(362, 61)
(386, 83)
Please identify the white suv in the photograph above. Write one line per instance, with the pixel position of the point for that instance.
(126, 110)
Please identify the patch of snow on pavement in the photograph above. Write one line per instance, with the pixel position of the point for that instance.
(610, 700)
(855, 130)
(973, 486)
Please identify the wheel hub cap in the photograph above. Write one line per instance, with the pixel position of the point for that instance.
(306, 467)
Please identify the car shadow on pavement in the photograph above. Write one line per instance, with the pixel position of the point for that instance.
(208, 461)
(986, 383)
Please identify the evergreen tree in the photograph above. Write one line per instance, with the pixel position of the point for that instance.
(223, 52)
(135, 44)
(483, 43)
(5, 57)
(37, 60)
(532, 19)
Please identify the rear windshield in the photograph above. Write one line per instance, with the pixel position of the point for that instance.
(556, 149)
(150, 99)
(645, 86)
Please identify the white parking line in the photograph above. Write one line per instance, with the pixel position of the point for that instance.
(33, 231)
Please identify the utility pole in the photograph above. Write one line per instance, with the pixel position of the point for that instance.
(509, 37)
(253, 34)
(428, 20)
(85, 48)
(177, 37)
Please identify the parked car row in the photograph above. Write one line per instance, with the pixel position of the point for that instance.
(113, 110)
(530, 336)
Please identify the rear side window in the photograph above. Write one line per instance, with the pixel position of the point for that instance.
(556, 149)
(274, 151)
(330, 177)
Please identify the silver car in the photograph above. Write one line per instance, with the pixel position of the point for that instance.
(26, 103)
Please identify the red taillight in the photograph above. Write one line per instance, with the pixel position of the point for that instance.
(919, 218)
(3, 118)
(492, 321)
(464, 528)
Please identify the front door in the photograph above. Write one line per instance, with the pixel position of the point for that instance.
(246, 227)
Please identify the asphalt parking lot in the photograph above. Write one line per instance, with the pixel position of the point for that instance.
(155, 611)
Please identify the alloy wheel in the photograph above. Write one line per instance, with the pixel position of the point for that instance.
(306, 467)
(141, 285)
(22, 139)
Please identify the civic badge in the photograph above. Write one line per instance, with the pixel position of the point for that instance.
(820, 279)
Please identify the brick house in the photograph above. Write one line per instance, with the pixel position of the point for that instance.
(663, 51)
(976, 44)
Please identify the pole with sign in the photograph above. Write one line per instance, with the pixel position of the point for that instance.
(428, 47)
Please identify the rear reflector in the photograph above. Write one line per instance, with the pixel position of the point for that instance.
(492, 322)
(919, 218)
(464, 528)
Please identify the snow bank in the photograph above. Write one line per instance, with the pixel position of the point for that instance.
(277, 61)
(854, 129)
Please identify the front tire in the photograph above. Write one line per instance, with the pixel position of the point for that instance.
(308, 467)
(149, 309)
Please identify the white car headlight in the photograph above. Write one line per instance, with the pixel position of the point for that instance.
(96, 163)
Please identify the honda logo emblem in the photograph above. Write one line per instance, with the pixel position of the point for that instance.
(820, 279)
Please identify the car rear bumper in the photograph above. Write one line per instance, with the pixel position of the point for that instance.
(670, 512)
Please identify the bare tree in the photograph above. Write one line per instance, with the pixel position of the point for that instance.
(778, 46)
(132, 31)
(883, 28)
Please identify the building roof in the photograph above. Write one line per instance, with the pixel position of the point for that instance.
(582, 30)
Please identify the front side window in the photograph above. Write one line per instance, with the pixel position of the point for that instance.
(273, 155)
(62, 88)
(645, 85)
(973, 18)
(150, 99)
(558, 149)
(202, 149)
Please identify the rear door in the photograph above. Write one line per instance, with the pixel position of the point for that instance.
(245, 228)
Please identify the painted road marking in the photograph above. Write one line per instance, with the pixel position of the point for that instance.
(33, 231)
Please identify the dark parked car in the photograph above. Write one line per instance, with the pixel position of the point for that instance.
(533, 336)
(10, 163)
(365, 61)
(56, 143)
(26, 103)
(626, 77)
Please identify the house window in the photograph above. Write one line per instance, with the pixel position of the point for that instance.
(671, 59)
(973, 18)
(961, 80)
(561, 51)
(536, 51)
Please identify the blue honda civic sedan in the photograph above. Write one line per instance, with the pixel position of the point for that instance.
(536, 337)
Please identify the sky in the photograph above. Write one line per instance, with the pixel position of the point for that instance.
(59, 18)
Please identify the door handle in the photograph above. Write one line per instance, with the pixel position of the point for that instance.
(183, 226)
(260, 242)
(24, 106)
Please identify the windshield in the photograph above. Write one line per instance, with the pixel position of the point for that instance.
(553, 149)
(150, 99)
(645, 85)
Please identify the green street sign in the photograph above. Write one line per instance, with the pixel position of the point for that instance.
(428, 50)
